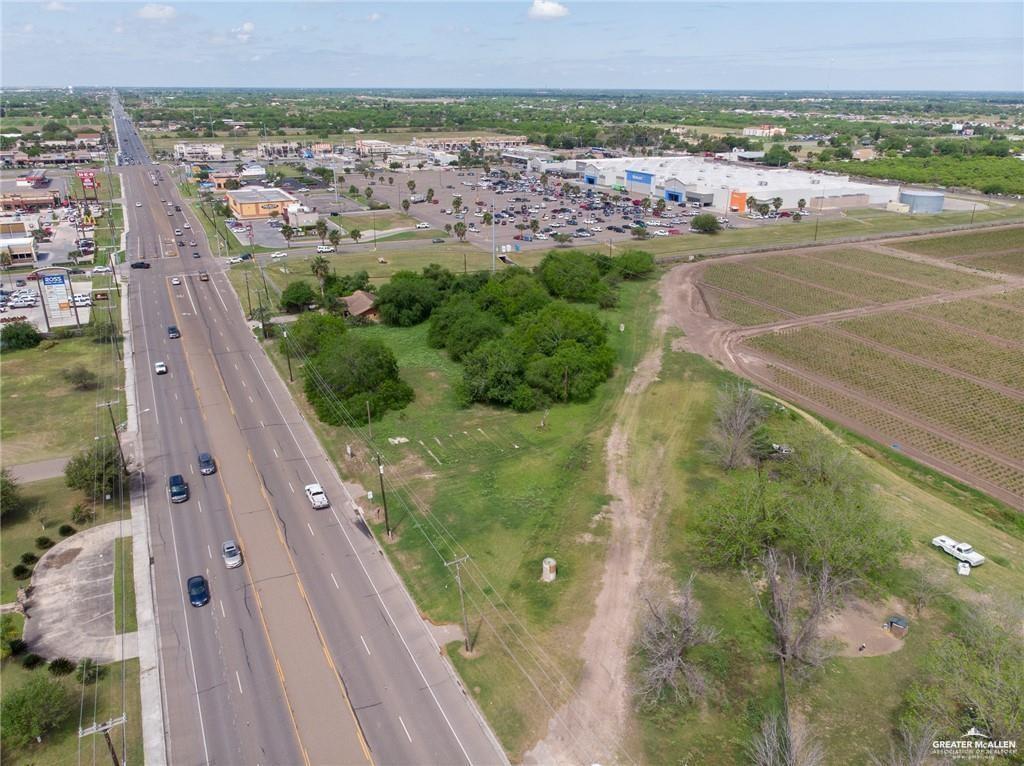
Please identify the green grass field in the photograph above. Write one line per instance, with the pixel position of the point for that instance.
(124, 587)
(33, 385)
(972, 243)
(381, 221)
(50, 503)
(115, 693)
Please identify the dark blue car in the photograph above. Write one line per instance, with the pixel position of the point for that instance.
(198, 591)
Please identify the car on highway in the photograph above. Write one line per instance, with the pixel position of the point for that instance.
(101, 269)
(423, 225)
(231, 554)
(192, 243)
(198, 591)
(140, 265)
(186, 225)
(278, 254)
(138, 204)
(173, 332)
(437, 240)
(195, 254)
(175, 280)
(160, 368)
(204, 277)
(316, 496)
(177, 488)
(177, 232)
(207, 465)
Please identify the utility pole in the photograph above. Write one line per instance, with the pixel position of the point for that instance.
(248, 296)
(105, 728)
(117, 437)
(369, 425)
(113, 331)
(462, 599)
(288, 356)
(383, 496)
(263, 318)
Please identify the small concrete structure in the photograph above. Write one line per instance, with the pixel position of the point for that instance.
(549, 570)
(897, 625)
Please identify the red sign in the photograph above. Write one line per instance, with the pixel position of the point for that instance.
(88, 179)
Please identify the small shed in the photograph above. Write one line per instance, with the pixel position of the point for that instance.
(360, 304)
(897, 625)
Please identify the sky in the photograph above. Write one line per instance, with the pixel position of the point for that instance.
(531, 44)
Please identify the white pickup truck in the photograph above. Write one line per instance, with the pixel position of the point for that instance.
(961, 551)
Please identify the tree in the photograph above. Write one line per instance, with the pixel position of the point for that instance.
(572, 274)
(30, 711)
(297, 296)
(534, 225)
(95, 470)
(705, 223)
(407, 299)
(456, 203)
(634, 264)
(659, 206)
(320, 267)
(778, 744)
(447, 228)
(81, 378)
(777, 203)
(232, 184)
(11, 499)
(752, 203)
(776, 156)
(460, 326)
(321, 229)
(355, 234)
(638, 232)
(669, 632)
(738, 414)
(368, 193)
(430, 196)
(19, 335)
(352, 190)
(801, 204)
(562, 239)
(308, 333)
(405, 205)
(460, 230)
(334, 237)
(487, 219)
(411, 185)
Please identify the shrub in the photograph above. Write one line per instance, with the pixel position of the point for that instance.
(95, 470)
(82, 514)
(297, 296)
(43, 542)
(29, 558)
(61, 666)
(17, 646)
(706, 223)
(570, 274)
(89, 672)
(66, 530)
(19, 335)
(32, 710)
(21, 572)
(11, 499)
(32, 661)
(81, 378)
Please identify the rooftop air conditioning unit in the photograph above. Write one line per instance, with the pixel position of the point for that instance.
(815, 180)
(762, 183)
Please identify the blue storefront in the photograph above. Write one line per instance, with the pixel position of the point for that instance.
(638, 177)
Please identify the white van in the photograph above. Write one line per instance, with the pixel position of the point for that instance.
(325, 248)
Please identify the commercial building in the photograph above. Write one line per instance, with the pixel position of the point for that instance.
(764, 131)
(18, 225)
(198, 152)
(252, 173)
(29, 200)
(301, 217)
(487, 143)
(274, 150)
(220, 178)
(371, 147)
(22, 250)
(724, 186)
(257, 202)
(524, 155)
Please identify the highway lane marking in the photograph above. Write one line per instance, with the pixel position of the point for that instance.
(404, 729)
(252, 402)
(221, 333)
(239, 679)
(368, 652)
(149, 361)
(222, 614)
(209, 551)
(243, 383)
(200, 504)
(310, 528)
(192, 470)
(291, 487)
(222, 303)
(335, 581)
(181, 419)
(275, 453)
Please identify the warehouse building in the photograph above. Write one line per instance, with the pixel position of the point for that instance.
(198, 152)
(724, 186)
(255, 202)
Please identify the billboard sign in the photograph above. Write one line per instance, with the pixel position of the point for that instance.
(637, 177)
(57, 297)
(88, 179)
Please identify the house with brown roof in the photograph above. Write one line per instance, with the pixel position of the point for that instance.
(360, 304)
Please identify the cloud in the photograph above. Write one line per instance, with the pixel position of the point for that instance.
(373, 17)
(244, 32)
(547, 9)
(27, 29)
(157, 12)
(55, 7)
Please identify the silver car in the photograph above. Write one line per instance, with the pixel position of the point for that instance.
(231, 554)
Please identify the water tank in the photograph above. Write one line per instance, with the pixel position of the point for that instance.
(921, 201)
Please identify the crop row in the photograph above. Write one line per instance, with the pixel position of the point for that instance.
(899, 432)
(1015, 298)
(1008, 263)
(981, 315)
(977, 242)
(901, 268)
(972, 411)
(959, 350)
(866, 287)
(776, 291)
(738, 311)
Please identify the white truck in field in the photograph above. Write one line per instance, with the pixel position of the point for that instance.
(962, 551)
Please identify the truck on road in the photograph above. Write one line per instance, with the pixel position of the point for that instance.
(961, 551)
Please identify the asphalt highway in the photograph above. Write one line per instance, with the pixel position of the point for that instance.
(312, 651)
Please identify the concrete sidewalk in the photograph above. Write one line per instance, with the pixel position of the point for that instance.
(42, 469)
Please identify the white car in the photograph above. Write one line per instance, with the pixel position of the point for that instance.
(596, 229)
(187, 225)
(175, 280)
(177, 232)
(138, 204)
(423, 225)
(316, 496)
(160, 368)
(541, 236)
(236, 259)
(962, 551)
(278, 254)
(661, 233)
(101, 269)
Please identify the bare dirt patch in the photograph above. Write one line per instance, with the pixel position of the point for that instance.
(859, 624)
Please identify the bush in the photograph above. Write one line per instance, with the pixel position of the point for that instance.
(88, 672)
(11, 499)
(408, 299)
(19, 335)
(32, 661)
(32, 710)
(95, 470)
(310, 331)
(29, 558)
(9, 631)
(66, 530)
(82, 514)
(21, 572)
(81, 378)
(297, 296)
(634, 264)
(61, 666)
(43, 542)
(570, 274)
(17, 646)
(706, 223)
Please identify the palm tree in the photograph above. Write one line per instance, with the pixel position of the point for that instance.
(430, 196)
(334, 237)
(801, 203)
(405, 205)
(456, 203)
(544, 178)
(320, 267)
(412, 185)
(646, 204)
(751, 203)
(391, 180)
(448, 228)
(659, 206)
(777, 203)
(355, 234)
(321, 229)
(368, 192)
(287, 232)
(460, 230)
(534, 225)
(488, 219)
(352, 190)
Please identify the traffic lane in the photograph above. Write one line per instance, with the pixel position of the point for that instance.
(325, 726)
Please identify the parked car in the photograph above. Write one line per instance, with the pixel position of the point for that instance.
(198, 591)
(423, 225)
(962, 551)
(316, 496)
(140, 265)
(437, 240)
(101, 269)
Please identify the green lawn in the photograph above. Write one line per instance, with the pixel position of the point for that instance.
(124, 587)
(115, 693)
(43, 416)
(511, 493)
(381, 221)
(50, 503)
(975, 242)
